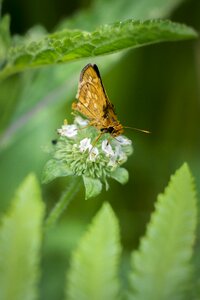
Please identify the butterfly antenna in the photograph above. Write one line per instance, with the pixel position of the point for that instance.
(138, 129)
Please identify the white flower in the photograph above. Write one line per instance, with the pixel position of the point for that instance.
(123, 140)
(112, 162)
(93, 154)
(120, 155)
(80, 121)
(106, 147)
(85, 144)
(68, 130)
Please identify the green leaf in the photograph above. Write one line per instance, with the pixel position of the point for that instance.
(121, 175)
(103, 11)
(161, 269)
(5, 39)
(20, 242)
(54, 169)
(69, 45)
(93, 270)
(93, 187)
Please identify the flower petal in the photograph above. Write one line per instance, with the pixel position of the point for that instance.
(68, 130)
(106, 147)
(123, 140)
(80, 121)
(93, 154)
(85, 144)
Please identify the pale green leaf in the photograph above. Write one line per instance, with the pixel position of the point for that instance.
(103, 11)
(20, 242)
(121, 175)
(5, 39)
(161, 269)
(93, 268)
(93, 187)
(70, 45)
(54, 169)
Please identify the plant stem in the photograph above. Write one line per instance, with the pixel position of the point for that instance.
(63, 202)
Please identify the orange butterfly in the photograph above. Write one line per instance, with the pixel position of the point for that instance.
(94, 104)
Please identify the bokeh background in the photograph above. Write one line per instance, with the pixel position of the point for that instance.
(156, 87)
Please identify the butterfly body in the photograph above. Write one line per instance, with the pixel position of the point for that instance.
(94, 104)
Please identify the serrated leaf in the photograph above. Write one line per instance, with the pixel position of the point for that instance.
(161, 268)
(121, 175)
(103, 11)
(20, 241)
(93, 187)
(54, 169)
(69, 45)
(93, 268)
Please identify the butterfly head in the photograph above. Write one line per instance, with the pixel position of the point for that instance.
(114, 130)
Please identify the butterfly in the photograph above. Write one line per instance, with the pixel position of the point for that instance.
(93, 102)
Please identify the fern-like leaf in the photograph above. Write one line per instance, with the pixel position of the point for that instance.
(20, 240)
(161, 268)
(93, 271)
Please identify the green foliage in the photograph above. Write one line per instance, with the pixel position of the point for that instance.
(69, 45)
(161, 268)
(20, 242)
(5, 39)
(150, 88)
(119, 10)
(93, 271)
(54, 169)
(93, 187)
(121, 175)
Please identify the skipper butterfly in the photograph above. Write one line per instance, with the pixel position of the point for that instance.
(94, 104)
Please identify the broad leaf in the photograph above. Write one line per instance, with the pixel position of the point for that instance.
(161, 268)
(93, 268)
(69, 45)
(20, 242)
(53, 169)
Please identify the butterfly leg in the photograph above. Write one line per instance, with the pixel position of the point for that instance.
(96, 140)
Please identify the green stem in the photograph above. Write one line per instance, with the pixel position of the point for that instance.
(63, 202)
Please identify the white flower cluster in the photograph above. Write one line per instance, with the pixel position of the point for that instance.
(114, 152)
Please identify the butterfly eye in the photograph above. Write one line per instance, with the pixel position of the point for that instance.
(110, 129)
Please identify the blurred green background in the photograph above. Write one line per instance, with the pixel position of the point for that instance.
(155, 87)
